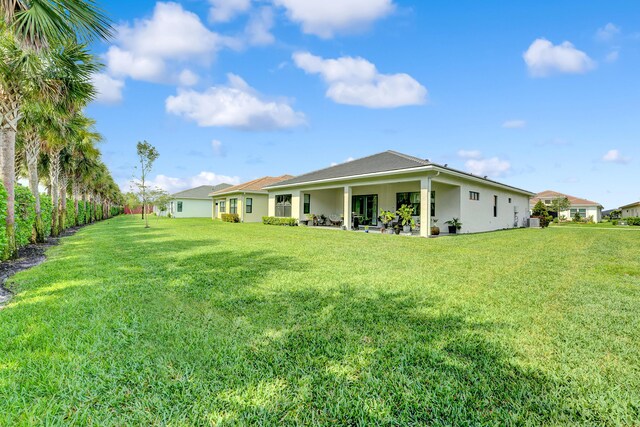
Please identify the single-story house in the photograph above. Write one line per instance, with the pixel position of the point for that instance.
(248, 200)
(194, 202)
(363, 187)
(632, 209)
(586, 208)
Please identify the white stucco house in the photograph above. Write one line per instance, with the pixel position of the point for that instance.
(248, 200)
(194, 202)
(630, 210)
(363, 187)
(586, 208)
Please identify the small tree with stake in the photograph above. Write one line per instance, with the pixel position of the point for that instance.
(559, 204)
(540, 211)
(147, 154)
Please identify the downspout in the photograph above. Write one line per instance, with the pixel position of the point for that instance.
(244, 206)
(429, 178)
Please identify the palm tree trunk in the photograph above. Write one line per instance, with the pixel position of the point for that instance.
(85, 214)
(7, 162)
(32, 151)
(76, 191)
(54, 173)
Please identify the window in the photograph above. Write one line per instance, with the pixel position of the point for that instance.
(582, 212)
(233, 206)
(249, 204)
(509, 199)
(547, 202)
(413, 199)
(223, 206)
(307, 204)
(179, 206)
(283, 205)
(495, 206)
(474, 195)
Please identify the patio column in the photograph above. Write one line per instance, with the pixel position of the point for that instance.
(425, 203)
(347, 207)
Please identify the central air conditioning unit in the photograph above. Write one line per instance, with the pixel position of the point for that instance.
(515, 209)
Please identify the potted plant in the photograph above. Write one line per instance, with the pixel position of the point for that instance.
(385, 218)
(311, 219)
(406, 215)
(366, 228)
(397, 229)
(435, 230)
(454, 225)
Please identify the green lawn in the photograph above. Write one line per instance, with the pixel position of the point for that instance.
(194, 323)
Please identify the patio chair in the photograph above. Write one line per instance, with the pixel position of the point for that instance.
(335, 219)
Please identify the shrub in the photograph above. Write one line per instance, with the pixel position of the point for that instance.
(632, 220)
(614, 222)
(540, 211)
(46, 210)
(230, 217)
(273, 220)
(3, 219)
(25, 215)
(70, 218)
(81, 212)
(556, 220)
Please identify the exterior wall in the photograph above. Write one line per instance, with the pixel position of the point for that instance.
(477, 215)
(259, 210)
(633, 210)
(192, 208)
(451, 200)
(593, 211)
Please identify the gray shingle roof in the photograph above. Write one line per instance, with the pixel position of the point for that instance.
(381, 162)
(201, 192)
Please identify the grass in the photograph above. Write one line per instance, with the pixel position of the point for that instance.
(197, 323)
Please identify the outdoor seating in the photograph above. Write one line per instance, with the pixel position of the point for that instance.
(335, 219)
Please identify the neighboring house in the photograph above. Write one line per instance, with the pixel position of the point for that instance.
(248, 200)
(586, 208)
(384, 181)
(632, 209)
(193, 203)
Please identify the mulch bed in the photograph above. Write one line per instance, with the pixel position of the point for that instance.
(28, 256)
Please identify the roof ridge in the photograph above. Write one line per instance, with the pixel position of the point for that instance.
(409, 157)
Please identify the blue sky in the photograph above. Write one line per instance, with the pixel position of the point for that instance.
(540, 95)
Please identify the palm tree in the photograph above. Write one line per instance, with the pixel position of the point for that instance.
(29, 28)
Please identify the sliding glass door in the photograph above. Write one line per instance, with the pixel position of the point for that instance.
(365, 207)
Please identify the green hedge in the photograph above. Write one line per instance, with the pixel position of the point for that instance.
(70, 219)
(45, 213)
(81, 212)
(3, 219)
(228, 217)
(632, 220)
(25, 215)
(273, 220)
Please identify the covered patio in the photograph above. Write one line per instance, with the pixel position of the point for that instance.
(430, 199)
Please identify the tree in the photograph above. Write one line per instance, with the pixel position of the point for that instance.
(132, 201)
(30, 27)
(540, 211)
(159, 199)
(559, 204)
(147, 154)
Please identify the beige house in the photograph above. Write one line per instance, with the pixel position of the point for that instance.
(248, 200)
(586, 208)
(630, 210)
(363, 187)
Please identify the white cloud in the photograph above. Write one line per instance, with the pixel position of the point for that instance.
(235, 105)
(608, 32)
(614, 156)
(109, 90)
(173, 184)
(543, 58)
(348, 159)
(328, 17)
(187, 78)
(356, 81)
(612, 56)
(476, 164)
(226, 10)
(514, 124)
(258, 30)
(218, 148)
(469, 154)
(143, 49)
